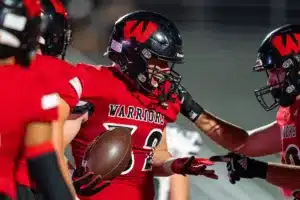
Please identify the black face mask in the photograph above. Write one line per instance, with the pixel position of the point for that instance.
(284, 92)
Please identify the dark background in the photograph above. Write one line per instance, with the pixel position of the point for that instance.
(220, 43)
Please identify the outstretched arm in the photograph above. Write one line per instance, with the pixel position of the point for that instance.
(240, 166)
(228, 135)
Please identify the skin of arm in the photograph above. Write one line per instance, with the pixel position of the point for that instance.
(262, 141)
(160, 156)
(58, 142)
(179, 187)
(285, 176)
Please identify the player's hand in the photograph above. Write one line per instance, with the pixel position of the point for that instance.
(240, 166)
(86, 183)
(193, 166)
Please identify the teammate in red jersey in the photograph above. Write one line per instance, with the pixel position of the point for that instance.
(279, 57)
(139, 92)
(27, 105)
(59, 76)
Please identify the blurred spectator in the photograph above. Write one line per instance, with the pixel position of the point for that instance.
(92, 21)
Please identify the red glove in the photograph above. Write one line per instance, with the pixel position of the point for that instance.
(193, 166)
(87, 183)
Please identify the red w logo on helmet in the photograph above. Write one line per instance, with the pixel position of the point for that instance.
(140, 30)
(290, 46)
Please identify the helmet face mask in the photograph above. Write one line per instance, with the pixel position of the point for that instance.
(269, 96)
(146, 46)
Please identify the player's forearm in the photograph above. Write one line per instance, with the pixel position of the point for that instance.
(161, 165)
(286, 176)
(269, 135)
(223, 133)
(60, 148)
(179, 187)
(71, 129)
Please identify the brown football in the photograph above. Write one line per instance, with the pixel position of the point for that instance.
(110, 153)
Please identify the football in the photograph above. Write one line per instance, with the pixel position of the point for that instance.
(110, 153)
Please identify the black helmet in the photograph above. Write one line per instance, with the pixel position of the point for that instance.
(57, 34)
(20, 29)
(278, 55)
(140, 37)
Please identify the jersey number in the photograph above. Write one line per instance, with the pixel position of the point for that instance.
(151, 142)
(292, 155)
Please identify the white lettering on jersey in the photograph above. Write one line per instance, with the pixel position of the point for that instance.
(50, 101)
(288, 131)
(75, 82)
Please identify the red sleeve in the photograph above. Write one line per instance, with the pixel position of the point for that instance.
(71, 87)
(95, 81)
(42, 106)
(60, 77)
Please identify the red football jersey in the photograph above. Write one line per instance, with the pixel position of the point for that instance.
(118, 106)
(60, 77)
(288, 119)
(23, 101)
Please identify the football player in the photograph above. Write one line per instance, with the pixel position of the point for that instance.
(149, 67)
(28, 105)
(278, 56)
(59, 76)
(139, 91)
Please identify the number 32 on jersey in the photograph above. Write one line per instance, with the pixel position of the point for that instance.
(151, 142)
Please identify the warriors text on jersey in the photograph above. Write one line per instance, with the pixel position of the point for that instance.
(23, 101)
(121, 106)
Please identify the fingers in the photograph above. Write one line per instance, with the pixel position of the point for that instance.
(189, 161)
(221, 158)
(85, 178)
(101, 186)
(212, 176)
(187, 164)
(205, 161)
(233, 177)
(93, 183)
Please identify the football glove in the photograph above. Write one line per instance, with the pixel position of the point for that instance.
(82, 107)
(189, 107)
(193, 166)
(87, 183)
(240, 166)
